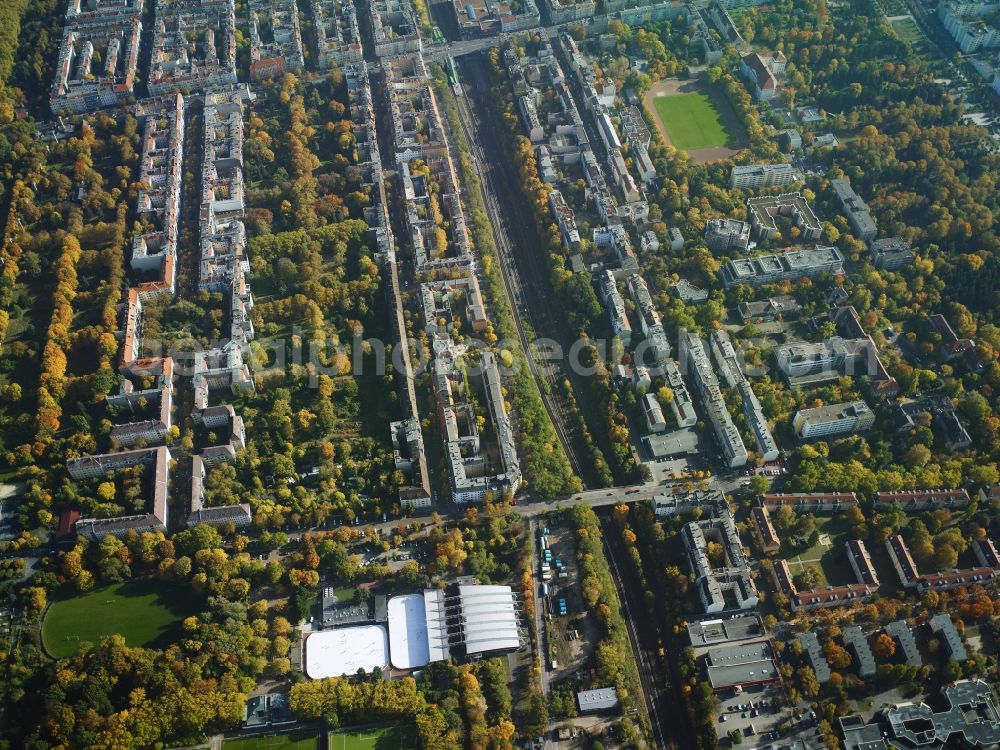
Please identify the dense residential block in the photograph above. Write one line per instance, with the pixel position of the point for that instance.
(394, 27)
(98, 56)
(275, 38)
(194, 46)
(335, 23)
(730, 584)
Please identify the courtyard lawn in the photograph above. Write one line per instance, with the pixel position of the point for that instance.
(398, 737)
(303, 740)
(830, 558)
(692, 121)
(145, 612)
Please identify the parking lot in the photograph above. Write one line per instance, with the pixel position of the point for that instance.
(753, 712)
(570, 636)
(669, 469)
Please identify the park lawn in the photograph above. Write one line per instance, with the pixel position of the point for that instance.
(397, 737)
(907, 30)
(146, 613)
(693, 121)
(301, 740)
(831, 561)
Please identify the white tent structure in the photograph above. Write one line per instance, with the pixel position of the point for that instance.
(408, 644)
(488, 619)
(435, 613)
(342, 651)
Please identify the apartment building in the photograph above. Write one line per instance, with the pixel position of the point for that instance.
(900, 632)
(964, 715)
(238, 515)
(791, 265)
(139, 401)
(529, 116)
(731, 367)
(223, 267)
(972, 24)
(149, 404)
(825, 361)
(194, 46)
(467, 385)
(767, 535)
(688, 293)
(911, 578)
(732, 576)
(483, 18)
(97, 56)
(565, 220)
(833, 420)
(683, 405)
(757, 176)
(435, 220)
(734, 453)
(765, 210)
(475, 473)
(648, 316)
(815, 656)
(831, 596)
(560, 12)
(944, 628)
(338, 36)
(861, 563)
(156, 519)
(917, 501)
(615, 305)
(275, 38)
(724, 235)
(891, 253)
(405, 434)
(672, 504)
(810, 502)
(857, 643)
(159, 199)
(855, 209)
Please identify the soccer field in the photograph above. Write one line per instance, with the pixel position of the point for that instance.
(305, 740)
(399, 737)
(692, 120)
(142, 611)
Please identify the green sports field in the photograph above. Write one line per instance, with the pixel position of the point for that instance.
(145, 612)
(399, 737)
(303, 740)
(693, 121)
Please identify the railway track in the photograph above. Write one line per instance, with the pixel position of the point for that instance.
(645, 663)
(513, 286)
